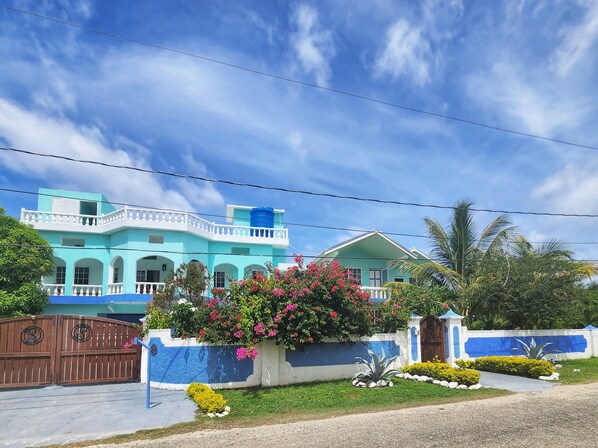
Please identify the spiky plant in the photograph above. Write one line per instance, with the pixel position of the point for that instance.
(377, 369)
(533, 350)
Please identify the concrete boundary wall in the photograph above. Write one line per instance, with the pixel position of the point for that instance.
(178, 362)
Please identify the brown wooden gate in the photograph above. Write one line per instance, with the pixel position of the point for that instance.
(58, 349)
(432, 339)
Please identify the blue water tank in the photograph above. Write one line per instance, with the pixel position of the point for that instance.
(262, 217)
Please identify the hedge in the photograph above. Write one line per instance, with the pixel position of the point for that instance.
(511, 365)
(443, 372)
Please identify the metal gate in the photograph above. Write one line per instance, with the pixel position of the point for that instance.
(58, 349)
(432, 339)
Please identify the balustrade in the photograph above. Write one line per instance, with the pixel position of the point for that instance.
(147, 287)
(376, 293)
(87, 290)
(115, 288)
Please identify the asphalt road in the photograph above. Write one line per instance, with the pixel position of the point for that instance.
(564, 416)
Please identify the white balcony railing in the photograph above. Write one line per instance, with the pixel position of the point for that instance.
(376, 293)
(53, 289)
(115, 288)
(87, 290)
(154, 219)
(147, 287)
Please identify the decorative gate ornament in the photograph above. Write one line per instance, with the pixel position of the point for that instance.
(81, 333)
(32, 335)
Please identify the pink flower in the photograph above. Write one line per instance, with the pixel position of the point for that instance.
(445, 305)
(259, 328)
(278, 292)
(241, 353)
(129, 344)
(271, 334)
(333, 314)
(291, 307)
(239, 334)
(306, 290)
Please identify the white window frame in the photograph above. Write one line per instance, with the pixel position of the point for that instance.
(219, 279)
(81, 275)
(376, 282)
(355, 274)
(60, 278)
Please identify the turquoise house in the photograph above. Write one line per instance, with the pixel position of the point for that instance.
(370, 259)
(108, 261)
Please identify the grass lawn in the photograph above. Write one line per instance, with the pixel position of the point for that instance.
(588, 371)
(265, 406)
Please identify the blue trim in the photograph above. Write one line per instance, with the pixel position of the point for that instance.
(503, 346)
(456, 344)
(414, 315)
(203, 364)
(414, 351)
(450, 313)
(335, 353)
(590, 327)
(447, 349)
(100, 300)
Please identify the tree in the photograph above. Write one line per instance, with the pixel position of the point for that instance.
(458, 253)
(534, 287)
(25, 257)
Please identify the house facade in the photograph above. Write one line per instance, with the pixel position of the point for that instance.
(109, 260)
(371, 258)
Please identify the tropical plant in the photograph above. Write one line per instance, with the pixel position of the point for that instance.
(458, 252)
(377, 369)
(533, 350)
(25, 257)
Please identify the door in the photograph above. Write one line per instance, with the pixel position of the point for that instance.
(432, 339)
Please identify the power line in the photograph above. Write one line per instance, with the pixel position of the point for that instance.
(286, 223)
(296, 81)
(292, 190)
(178, 252)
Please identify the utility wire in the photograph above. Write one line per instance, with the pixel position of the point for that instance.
(177, 252)
(291, 190)
(295, 81)
(286, 223)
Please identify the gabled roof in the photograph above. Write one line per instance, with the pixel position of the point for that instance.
(420, 254)
(361, 238)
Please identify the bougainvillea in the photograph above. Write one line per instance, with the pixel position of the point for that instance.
(301, 306)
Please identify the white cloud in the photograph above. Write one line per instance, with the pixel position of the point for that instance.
(577, 42)
(24, 129)
(313, 46)
(295, 142)
(406, 54)
(260, 24)
(571, 189)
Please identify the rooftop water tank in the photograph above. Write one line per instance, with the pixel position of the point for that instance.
(262, 217)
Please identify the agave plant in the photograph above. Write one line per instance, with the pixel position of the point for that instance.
(533, 350)
(376, 369)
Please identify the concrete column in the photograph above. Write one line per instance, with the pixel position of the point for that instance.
(269, 354)
(414, 347)
(69, 277)
(453, 336)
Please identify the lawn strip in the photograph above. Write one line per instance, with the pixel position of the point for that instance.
(588, 371)
(315, 401)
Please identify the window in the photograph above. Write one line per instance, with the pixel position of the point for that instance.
(399, 280)
(60, 275)
(354, 274)
(412, 280)
(115, 275)
(156, 239)
(81, 275)
(150, 276)
(73, 242)
(376, 278)
(239, 250)
(219, 279)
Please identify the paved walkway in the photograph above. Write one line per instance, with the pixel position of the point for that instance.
(52, 415)
(513, 383)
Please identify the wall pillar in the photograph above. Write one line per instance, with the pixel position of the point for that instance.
(69, 278)
(414, 347)
(453, 334)
(269, 354)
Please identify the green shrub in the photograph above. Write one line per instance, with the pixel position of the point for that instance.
(466, 364)
(513, 365)
(206, 399)
(443, 372)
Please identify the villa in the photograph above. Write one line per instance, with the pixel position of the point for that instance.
(108, 261)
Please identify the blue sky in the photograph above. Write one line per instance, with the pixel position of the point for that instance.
(526, 66)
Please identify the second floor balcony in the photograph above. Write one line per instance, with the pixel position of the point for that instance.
(143, 218)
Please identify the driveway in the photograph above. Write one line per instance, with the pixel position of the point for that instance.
(52, 415)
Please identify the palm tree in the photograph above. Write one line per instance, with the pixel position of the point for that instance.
(458, 252)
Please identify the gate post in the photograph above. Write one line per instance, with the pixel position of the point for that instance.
(453, 337)
(414, 347)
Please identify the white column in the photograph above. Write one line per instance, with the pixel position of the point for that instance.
(454, 333)
(269, 355)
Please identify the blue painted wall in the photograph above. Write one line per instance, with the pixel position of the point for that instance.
(335, 353)
(456, 342)
(503, 346)
(414, 339)
(204, 364)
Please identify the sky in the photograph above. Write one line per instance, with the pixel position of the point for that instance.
(526, 66)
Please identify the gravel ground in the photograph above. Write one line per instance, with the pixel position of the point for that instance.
(565, 416)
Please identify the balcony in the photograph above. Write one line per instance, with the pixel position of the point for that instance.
(143, 218)
(376, 293)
